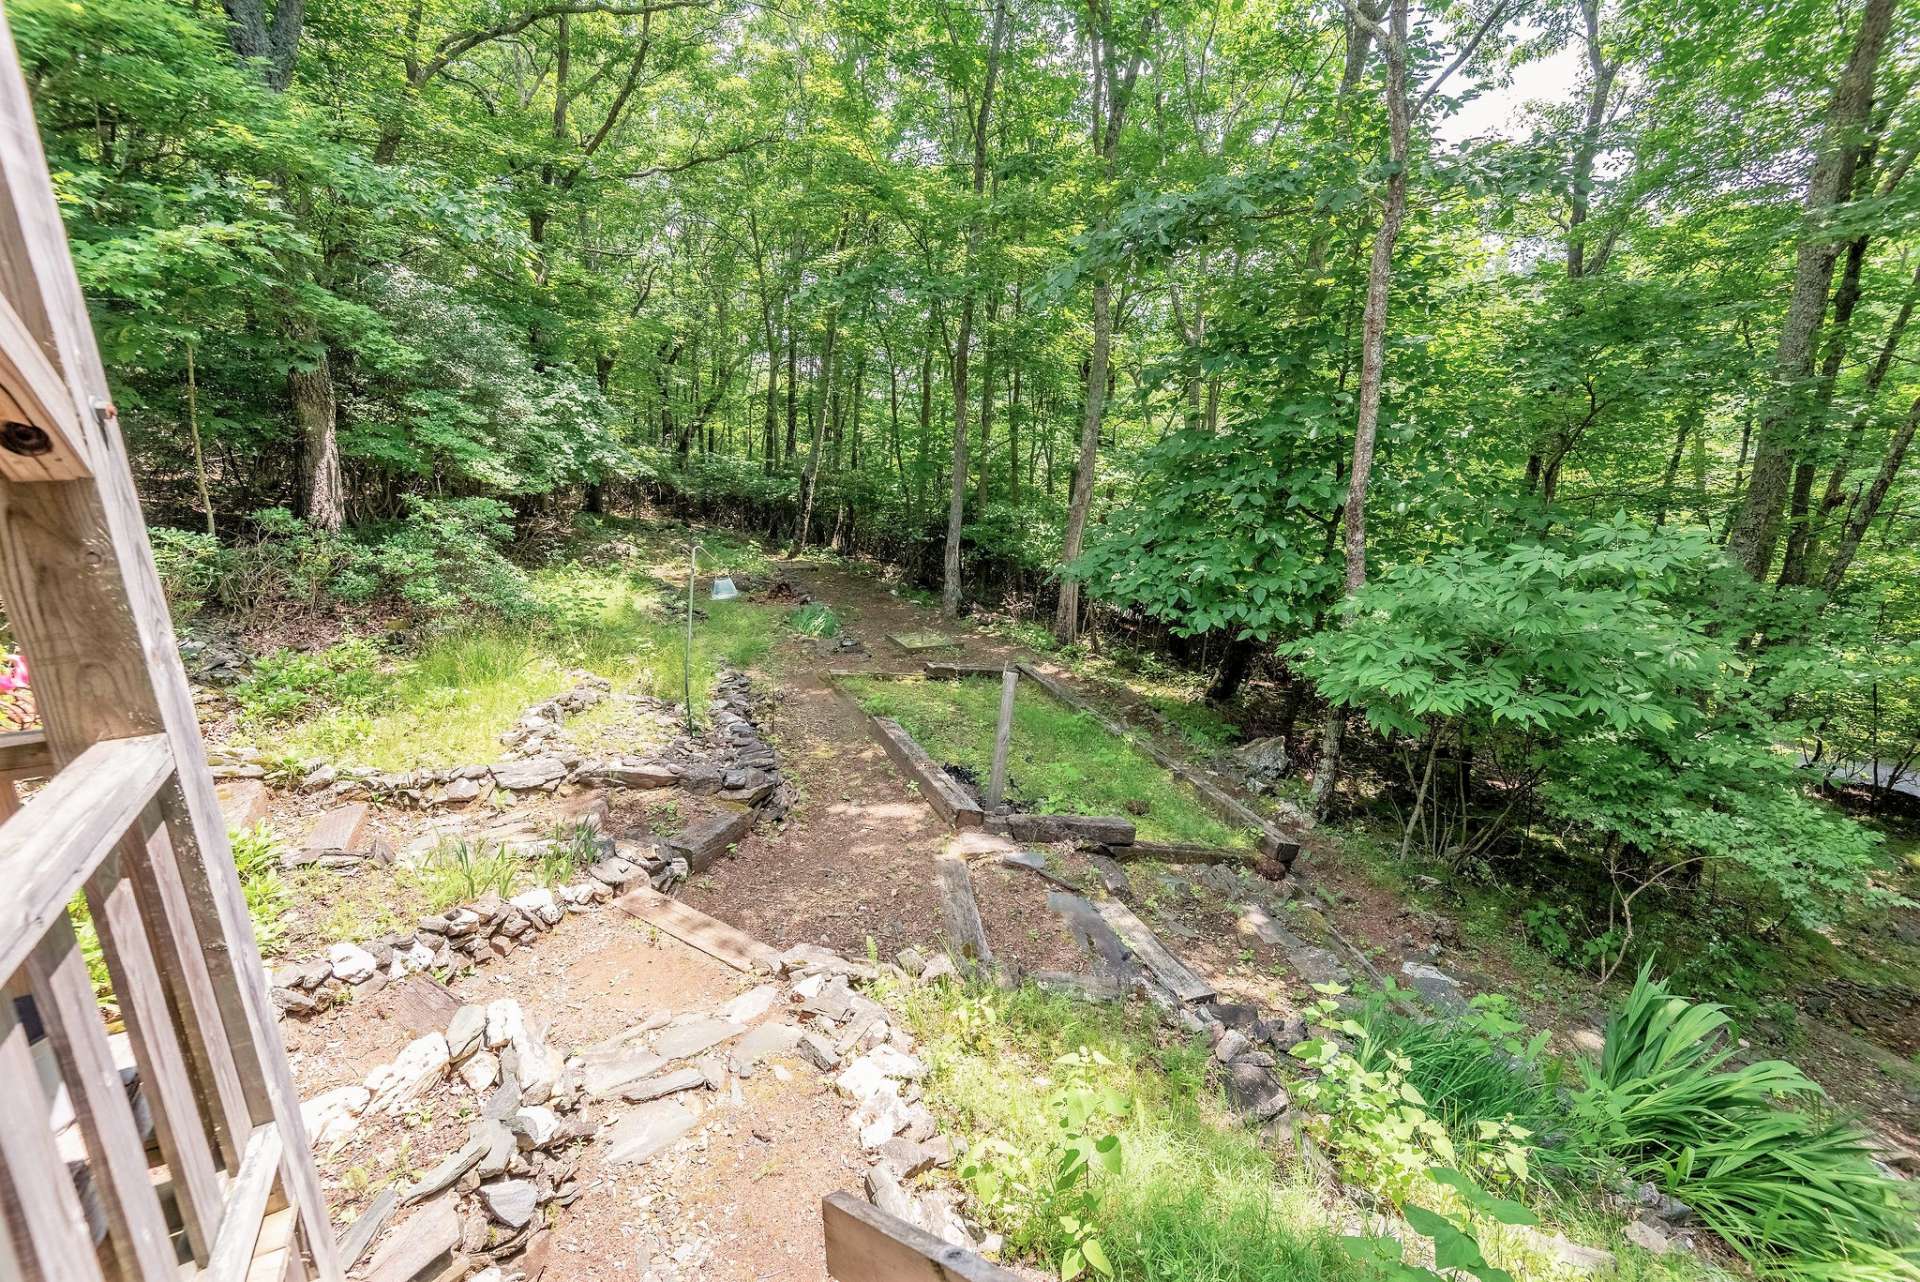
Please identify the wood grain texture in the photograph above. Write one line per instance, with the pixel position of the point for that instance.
(45, 1227)
(245, 1210)
(966, 934)
(167, 1084)
(181, 958)
(34, 393)
(87, 606)
(691, 926)
(24, 752)
(1002, 740)
(865, 1244)
(63, 995)
(52, 846)
(1146, 946)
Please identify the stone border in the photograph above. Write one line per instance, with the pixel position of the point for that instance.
(492, 927)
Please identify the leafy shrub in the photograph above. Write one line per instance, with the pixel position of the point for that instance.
(257, 856)
(1794, 1192)
(191, 565)
(1475, 1074)
(1047, 1195)
(1363, 1107)
(290, 684)
(443, 557)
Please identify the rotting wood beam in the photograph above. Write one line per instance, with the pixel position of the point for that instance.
(865, 1244)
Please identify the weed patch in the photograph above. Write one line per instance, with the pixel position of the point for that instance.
(1060, 761)
(1181, 1195)
(448, 703)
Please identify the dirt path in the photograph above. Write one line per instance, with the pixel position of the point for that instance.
(853, 862)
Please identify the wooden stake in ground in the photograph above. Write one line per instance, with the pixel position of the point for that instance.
(1002, 738)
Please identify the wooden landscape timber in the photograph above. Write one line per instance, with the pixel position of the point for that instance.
(948, 799)
(691, 926)
(865, 1244)
(966, 934)
(1109, 831)
(130, 819)
(1273, 842)
(936, 670)
(1145, 945)
(1170, 852)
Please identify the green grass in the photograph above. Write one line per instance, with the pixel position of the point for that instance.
(449, 703)
(1060, 761)
(814, 620)
(1196, 1199)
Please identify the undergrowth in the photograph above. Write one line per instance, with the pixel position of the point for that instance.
(1059, 762)
(447, 703)
(1189, 1197)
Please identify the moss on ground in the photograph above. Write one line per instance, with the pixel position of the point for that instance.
(1060, 761)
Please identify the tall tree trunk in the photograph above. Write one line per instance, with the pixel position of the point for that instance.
(1112, 92)
(957, 493)
(1373, 348)
(1756, 530)
(1066, 617)
(311, 391)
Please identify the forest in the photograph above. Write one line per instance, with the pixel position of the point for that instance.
(1485, 428)
(1553, 471)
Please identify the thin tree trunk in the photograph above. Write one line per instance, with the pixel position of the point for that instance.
(1066, 617)
(957, 495)
(1869, 506)
(199, 454)
(1373, 344)
(1756, 532)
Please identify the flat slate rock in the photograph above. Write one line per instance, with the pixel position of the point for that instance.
(243, 802)
(340, 831)
(765, 1040)
(610, 1075)
(648, 1130)
(359, 1236)
(422, 1238)
(652, 1088)
(684, 1040)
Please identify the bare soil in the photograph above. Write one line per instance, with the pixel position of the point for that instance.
(851, 868)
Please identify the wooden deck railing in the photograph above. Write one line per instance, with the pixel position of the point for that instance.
(171, 1147)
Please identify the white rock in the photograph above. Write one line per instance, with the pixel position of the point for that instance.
(861, 1080)
(480, 1071)
(420, 957)
(751, 1005)
(809, 988)
(331, 1116)
(505, 1023)
(536, 1126)
(880, 1117)
(539, 906)
(895, 1063)
(418, 1067)
(351, 963)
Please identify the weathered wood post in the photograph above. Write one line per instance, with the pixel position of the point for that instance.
(1002, 737)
